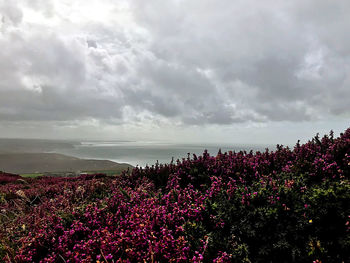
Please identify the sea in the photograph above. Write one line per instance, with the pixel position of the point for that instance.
(139, 153)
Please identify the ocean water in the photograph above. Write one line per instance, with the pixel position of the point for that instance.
(148, 153)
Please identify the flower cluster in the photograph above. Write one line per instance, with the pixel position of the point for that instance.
(7, 177)
(287, 205)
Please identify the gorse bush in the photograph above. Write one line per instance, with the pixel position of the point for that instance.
(287, 205)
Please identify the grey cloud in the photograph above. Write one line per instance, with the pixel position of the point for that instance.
(193, 62)
(46, 7)
(10, 13)
(264, 47)
(91, 43)
(45, 79)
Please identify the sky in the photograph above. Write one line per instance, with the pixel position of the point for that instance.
(245, 71)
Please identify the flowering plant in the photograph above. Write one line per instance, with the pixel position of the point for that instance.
(287, 205)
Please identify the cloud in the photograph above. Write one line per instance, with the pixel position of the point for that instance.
(265, 47)
(187, 62)
(10, 13)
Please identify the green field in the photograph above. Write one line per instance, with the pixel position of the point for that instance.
(32, 175)
(107, 172)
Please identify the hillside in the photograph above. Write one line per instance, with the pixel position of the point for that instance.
(287, 205)
(33, 145)
(53, 162)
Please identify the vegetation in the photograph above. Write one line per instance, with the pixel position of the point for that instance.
(106, 172)
(32, 175)
(289, 205)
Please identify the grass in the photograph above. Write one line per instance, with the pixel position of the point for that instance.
(107, 172)
(32, 175)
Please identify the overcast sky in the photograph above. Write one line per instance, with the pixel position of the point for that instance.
(194, 71)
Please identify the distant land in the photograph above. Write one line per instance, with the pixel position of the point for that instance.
(53, 162)
(38, 155)
(22, 156)
(34, 145)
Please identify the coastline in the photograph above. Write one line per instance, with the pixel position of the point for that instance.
(31, 163)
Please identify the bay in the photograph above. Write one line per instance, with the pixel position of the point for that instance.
(148, 153)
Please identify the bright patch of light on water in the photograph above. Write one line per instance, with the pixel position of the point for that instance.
(144, 153)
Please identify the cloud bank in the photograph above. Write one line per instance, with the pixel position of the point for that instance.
(198, 62)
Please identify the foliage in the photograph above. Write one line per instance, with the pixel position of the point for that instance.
(288, 205)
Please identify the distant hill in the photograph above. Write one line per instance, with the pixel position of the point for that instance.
(53, 162)
(33, 145)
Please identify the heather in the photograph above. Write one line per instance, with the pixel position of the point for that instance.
(7, 177)
(287, 205)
